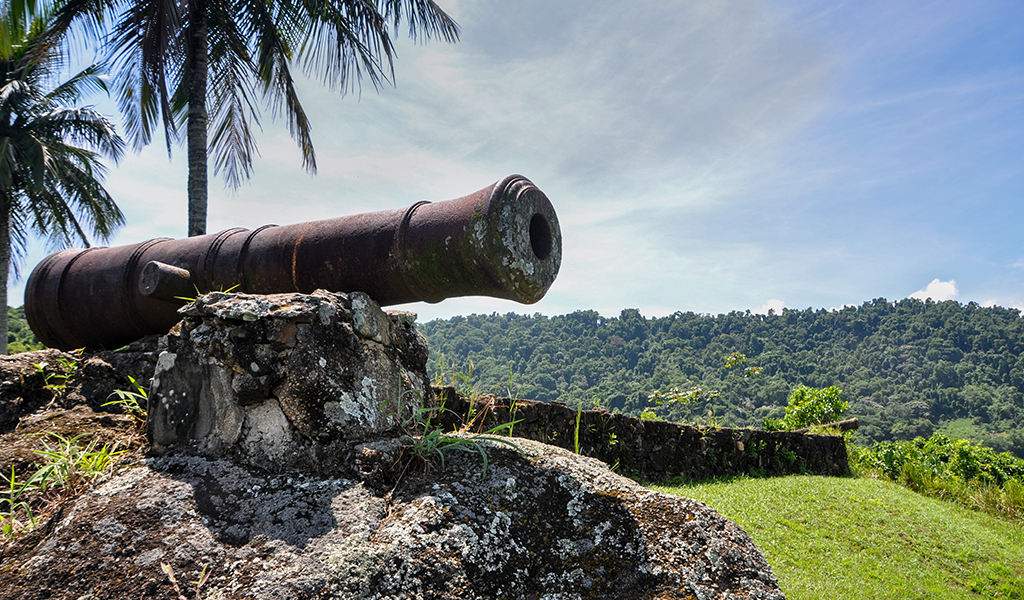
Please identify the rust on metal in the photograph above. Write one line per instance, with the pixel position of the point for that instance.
(502, 241)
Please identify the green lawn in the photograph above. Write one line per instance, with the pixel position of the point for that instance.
(836, 538)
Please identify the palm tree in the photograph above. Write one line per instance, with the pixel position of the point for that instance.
(207, 64)
(50, 169)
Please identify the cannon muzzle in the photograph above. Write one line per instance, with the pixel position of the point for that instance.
(502, 241)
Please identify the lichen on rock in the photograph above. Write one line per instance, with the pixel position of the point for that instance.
(285, 381)
(543, 523)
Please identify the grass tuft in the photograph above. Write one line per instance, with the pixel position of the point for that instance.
(69, 469)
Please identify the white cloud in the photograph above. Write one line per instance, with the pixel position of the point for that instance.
(1004, 303)
(773, 304)
(611, 99)
(843, 307)
(938, 290)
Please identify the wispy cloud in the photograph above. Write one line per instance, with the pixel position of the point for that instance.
(626, 98)
(1004, 303)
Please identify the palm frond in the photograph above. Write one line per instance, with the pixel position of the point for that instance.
(146, 46)
(50, 154)
(253, 46)
(346, 39)
(231, 140)
(276, 35)
(82, 125)
(83, 20)
(18, 234)
(89, 80)
(424, 17)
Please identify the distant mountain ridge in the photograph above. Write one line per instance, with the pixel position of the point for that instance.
(908, 368)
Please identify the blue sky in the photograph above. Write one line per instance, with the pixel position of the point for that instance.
(703, 156)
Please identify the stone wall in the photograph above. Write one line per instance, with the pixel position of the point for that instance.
(653, 450)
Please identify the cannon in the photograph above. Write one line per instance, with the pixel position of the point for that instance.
(502, 241)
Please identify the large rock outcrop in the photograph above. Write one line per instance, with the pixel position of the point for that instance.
(542, 523)
(279, 463)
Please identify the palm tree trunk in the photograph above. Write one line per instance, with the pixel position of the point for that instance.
(197, 118)
(5, 265)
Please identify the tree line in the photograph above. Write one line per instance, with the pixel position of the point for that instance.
(907, 368)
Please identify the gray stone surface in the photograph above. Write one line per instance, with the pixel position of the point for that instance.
(542, 523)
(285, 381)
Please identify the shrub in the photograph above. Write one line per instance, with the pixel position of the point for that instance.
(949, 468)
(942, 455)
(811, 406)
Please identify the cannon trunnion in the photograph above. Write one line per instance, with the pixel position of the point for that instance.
(502, 241)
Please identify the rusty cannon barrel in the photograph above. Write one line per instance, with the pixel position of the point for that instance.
(502, 241)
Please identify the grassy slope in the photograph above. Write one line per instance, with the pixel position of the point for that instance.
(837, 538)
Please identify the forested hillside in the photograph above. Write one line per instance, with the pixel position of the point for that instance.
(907, 368)
(19, 337)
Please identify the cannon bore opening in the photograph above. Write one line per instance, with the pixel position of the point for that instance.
(540, 236)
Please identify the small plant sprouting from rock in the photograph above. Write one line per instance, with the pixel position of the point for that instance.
(514, 399)
(132, 403)
(576, 439)
(675, 395)
(435, 443)
(608, 433)
(430, 441)
(69, 469)
(200, 294)
(57, 381)
(13, 506)
(737, 359)
(699, 393)
(203, 576)
(445, 374)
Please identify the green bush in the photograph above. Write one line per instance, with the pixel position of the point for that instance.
(949, 468)
(811, 406)
(19, 337)
(940, 455)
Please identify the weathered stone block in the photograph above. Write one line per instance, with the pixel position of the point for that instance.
(285, 381)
